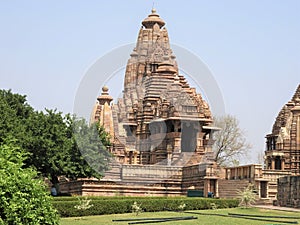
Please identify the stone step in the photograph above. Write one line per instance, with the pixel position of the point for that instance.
(230, 188)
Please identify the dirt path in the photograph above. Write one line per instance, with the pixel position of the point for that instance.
(278, 208)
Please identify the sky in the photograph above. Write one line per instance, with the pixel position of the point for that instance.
(252, 48)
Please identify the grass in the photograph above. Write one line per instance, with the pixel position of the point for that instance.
(202, 219)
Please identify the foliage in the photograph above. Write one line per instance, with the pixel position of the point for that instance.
(230, 142)
(117, 205)
(23, 197)
(91, 145)
(49, 142)
(213, 205)
(54, 149)
(83, 204)
(182, 206)
(247, 196)
(14, 112)
(136, 208)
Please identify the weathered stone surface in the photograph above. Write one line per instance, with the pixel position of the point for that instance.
(289, 191)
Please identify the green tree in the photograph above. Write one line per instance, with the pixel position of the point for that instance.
(14, 112)
(64, 145)
(91, 144)
(55, 142)
(23, 197)
(49, 143)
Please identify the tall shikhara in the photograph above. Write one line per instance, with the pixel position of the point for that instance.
(160, 118)
(283, 144)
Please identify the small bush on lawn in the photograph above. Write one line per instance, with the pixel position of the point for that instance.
(148, 204)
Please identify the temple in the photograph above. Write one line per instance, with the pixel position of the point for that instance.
(160, 117)
(282, 159)
(283, 144)
(160, 128)
(161, 134)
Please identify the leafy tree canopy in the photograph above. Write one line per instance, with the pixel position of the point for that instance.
(55, 142)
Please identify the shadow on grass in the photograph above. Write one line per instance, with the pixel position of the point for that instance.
(250, 217)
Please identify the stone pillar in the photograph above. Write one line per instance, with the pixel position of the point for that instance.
(258, 185)
(141, 158)
(125, 157)
(272, 163)
(206, 187)
(228, 174)
(169, 156)
(282, 163)
(135, 154)
(217, 189)
(177, 144)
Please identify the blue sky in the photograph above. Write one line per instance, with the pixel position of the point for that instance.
(252, 48)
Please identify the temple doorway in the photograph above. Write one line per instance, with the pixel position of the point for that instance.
(277, 163)
(188, 137)
(263, 189)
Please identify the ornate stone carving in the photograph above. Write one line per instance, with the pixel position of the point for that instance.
(156, 98)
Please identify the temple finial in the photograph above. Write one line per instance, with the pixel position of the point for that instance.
(152, 19)
(153, 9)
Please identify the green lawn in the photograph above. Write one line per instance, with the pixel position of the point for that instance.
(202, 219)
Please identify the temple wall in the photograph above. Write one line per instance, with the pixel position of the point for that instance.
(289, 191)
(272, 176)
(153, 173)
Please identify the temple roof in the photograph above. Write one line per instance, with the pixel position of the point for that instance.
(152, 81)
(282, 120)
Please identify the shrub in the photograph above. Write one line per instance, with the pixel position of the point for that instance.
(136, 208)
(83, 204)
(115, 205)
(247, 196)
(23, 198)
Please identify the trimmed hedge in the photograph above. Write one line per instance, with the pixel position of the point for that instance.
(75, 198)
(117, 205)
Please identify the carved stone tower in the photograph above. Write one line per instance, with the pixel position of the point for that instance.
(160, 118)
(283, 144)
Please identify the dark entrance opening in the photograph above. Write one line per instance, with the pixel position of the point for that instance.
(188, 137)
(263, 189)
(212, 188)
(277, 163)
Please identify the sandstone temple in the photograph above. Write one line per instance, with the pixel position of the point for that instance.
(160, 129)
(283, 144)
(161, 133)
(160, 117)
